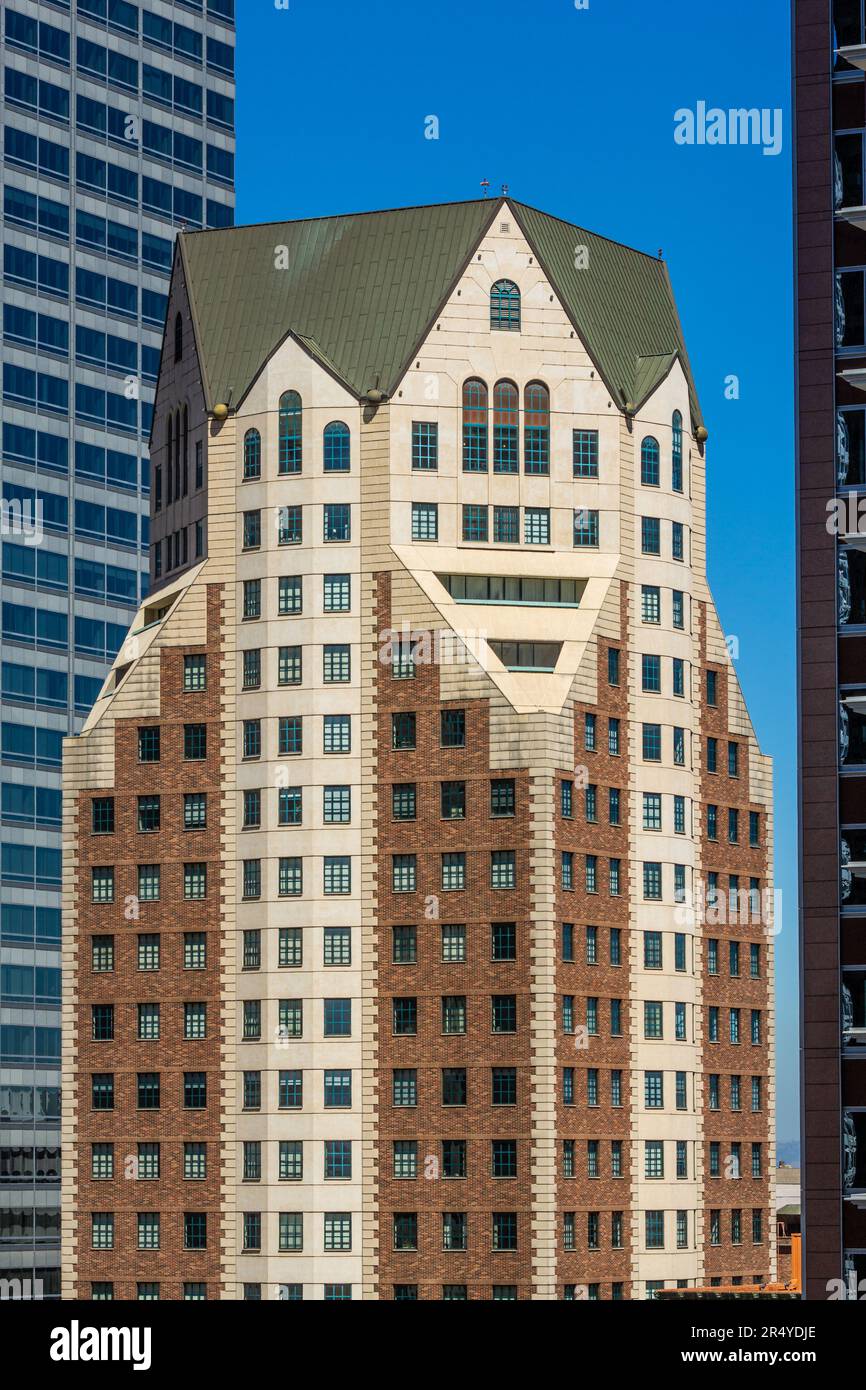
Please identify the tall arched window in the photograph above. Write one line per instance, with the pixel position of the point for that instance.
(677, 468)
(252, 454)
(185, 450)
(505, 306)
(506, 423)
(169, 459)
(650, 461)
(290, 433)
(474, 426)
(177, 441)
(337, 447)
(536, 443)
(178, 337)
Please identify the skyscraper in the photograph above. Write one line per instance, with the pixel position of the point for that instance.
(118, 126)
(830, 96)
(419, 844)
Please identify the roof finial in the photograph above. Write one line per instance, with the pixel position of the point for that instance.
(661, 254)
(485, 184)
(505, 190)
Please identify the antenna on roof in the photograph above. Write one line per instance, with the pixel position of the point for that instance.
(661, 254)
(485, 184)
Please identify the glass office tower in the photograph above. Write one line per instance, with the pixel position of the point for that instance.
(117, 128)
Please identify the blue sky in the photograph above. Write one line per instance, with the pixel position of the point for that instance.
(574, 110)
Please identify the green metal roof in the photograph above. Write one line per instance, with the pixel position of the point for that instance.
(361, 292)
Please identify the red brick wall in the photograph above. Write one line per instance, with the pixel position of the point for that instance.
(724, 1058)
(171, 987)
(606, 1193)
(479, 1194)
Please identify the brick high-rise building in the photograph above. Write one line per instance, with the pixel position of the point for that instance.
(830, 96)
(384, 975)
(117, 126)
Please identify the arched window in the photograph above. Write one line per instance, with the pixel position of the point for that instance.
(650, 459)
(506, 423)
(505, 306)
(169, 446)
(536, 443)
(177, 442)
(178, 337)
(474, 426)
(677, 470)
(252, 454)
(290, 433)
(185, 450)
(337, 447)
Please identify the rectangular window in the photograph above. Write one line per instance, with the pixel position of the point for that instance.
(337, 593)
(425, 521)
(585, 527)
(506, 525)
(425, 446)
(650, 528)
(474, 523)
(536, 525)
(585, 453)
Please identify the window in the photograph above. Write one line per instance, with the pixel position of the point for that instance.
(474, 430)
(503, 869)
(677, 542)
(425, 521)
(650, 528)
(337, 524)
(252, 599)
(336, 663)
(337, 447)
(194, 742)
(425, 446)
(475, 523)
(650, 458)
(505, 306)
(405, 1231)
(650, 603)
(585, 453)
(506, 413)
(655, 1230)
(677, 599)
(403, 730)
(504, 1013)
(652, 811)
(290, 446)
(651, 674)
(337, 593)
(679, 685)
(536, 444)
(453, 728)
(148, 744)
(677, 452)
(337, 870)
(102, 880)
(102, 815)
(586, 533)
(252, 455)
(536, 526)
(252, 530)
(404, 1087)
(613, 665)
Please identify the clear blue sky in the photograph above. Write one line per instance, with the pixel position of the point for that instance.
(574, 110)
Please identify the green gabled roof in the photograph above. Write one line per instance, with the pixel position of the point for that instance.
(361, 292)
